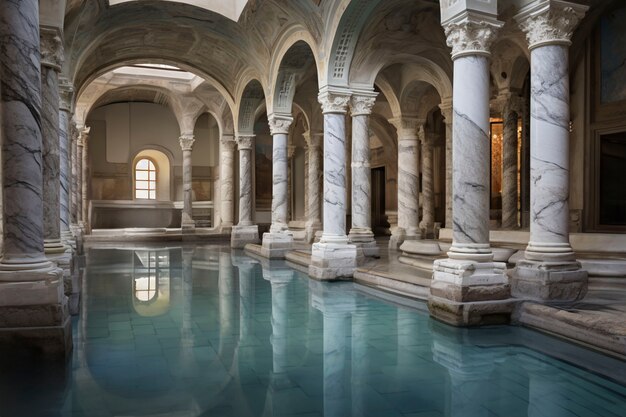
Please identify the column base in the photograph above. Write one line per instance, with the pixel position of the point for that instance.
(549, 281)
(365, 243)
(470, 293)
(276, 245)
(188, 227)
(332, 261)
(312, 231)
(71, 287)
(53, 247)
(242, 235)
(400, 235)
(33, 309)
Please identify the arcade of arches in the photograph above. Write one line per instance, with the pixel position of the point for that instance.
(469, 153)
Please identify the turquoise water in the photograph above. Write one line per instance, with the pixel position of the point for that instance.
(203, 332)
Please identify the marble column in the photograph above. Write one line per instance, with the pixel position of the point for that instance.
(333, 257)
(509, 168)
(65, 146)
(186, 145)
(361, 231)
(227, 189)
(279, 240)
(79, 179)
(291, 151)
(549, 271)
(51, 61)
(85, 180)
(469, 288)
(446, 111)
(74, 179)
(246, 231)
(314, 222)
(427, 225)
(407, 129)
(32, 303)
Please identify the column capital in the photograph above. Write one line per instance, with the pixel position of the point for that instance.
(471, 34)
(245, 142)
(446, 110)
(280, 123)
(334, 101)
(408, 127)
(228, 142)
(66, 93)
(83, 135)
(186, 142)
(362, 104)
(550, 22)
(51, 48)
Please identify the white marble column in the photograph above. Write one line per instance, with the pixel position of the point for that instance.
(509, 168)
(65, 142)
(279, 240)
(32, 303)
(427, 225)
(85, 180)
(407, 129)
(332, 257)
(314, 222)
(227, 189)
(291, 151)
(79, 179)
(186, 145)
(51, 61)
(550, 270)
(469, 279)
(74, 179)
(361, 230)
(446, 111)
(246, 231)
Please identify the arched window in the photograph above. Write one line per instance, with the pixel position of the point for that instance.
(145, 180)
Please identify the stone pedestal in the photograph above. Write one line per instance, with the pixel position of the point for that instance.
(276, 245)
(333, 257)
(33, 308)
(550, 271)
(242, 235)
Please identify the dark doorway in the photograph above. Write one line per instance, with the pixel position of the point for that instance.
(379, 220)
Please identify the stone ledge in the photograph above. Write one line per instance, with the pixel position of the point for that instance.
(389, 284)
(50, 340)
(478, 313)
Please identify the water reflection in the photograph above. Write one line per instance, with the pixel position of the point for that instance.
(199, 331)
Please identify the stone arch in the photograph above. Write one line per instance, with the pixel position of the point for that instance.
(251, 99)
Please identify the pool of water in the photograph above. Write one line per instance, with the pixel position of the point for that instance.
(208, 332)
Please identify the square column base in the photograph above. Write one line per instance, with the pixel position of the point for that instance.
(332, 261)
(470, 293)
(549, 281)
(242, 235)
(34, 311)
(276, 245)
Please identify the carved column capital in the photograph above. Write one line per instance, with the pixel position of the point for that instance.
(471, 34)
(228, 143)
(446, 110)
(51, 48)
(408, 127)
(245, 142)
(333, 102)
(550, 22)
(66, 93)
(83, 135)
(362, 105)
(186, 142)
(280, 124)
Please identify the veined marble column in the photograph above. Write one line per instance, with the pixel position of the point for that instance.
(408, 180)
(75, 178)
(186, 145)
(361, 232)
(79, 179)
(469, 280)
(332, 257)
(279, 240)
(291, 151)
(227, 189)
(51, 60)
(32, 303)
(85, 180)
(245, 232)
(65, 142)
(446, 111)
(509, 168)
(550, 270)
(428, 194)
(314, 222)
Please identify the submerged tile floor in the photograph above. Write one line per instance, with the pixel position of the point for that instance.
(206, 332)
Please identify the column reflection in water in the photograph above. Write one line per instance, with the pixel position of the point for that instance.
(151, 282)
(187, 295)
(360, 360)
(336, 302)
(227, 302)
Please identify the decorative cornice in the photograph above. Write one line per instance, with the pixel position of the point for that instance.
(471, 35)
(333, 102)
(407, 127)
(186, 142)
(245, 142)
(362, 105)
(66, 93)
(51, 48)
(280, 124)
(550, 22)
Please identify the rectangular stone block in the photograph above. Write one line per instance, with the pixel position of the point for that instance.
(332, 261)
